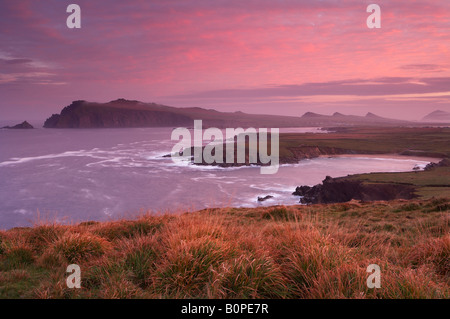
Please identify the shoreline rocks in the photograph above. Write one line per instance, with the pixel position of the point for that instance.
(444, 163)
(339, 190)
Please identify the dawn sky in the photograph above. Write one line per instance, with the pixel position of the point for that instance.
(273, 57)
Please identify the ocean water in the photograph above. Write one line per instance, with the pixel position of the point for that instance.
(74, 175)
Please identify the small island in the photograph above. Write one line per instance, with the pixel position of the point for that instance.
(24, 125)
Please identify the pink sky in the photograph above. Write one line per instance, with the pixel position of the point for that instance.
(257, 56)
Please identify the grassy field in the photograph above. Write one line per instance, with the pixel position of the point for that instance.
(433, 142)
(317, 251)
(431, 183)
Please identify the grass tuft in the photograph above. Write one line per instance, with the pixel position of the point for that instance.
(77, 248)
(315, 251)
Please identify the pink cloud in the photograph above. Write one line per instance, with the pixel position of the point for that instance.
(150, 50)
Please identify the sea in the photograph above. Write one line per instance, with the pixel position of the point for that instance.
(74, 175)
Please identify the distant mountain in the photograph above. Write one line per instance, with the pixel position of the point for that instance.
(310, 115)
(437, 116)
(23, 125)
(337, 119)
(126, 113)
(374, 116)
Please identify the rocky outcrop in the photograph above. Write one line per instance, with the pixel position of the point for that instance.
(296, 154)
(444, 163)
(338, 190)
(119, 113)
(307, 152)
(262, 199)
(24, 125)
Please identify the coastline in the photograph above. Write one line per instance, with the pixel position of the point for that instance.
(216, 185)
(388, 156)
(430, 180)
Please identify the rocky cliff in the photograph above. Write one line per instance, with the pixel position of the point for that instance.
(119, 113)
(293, 156)
(338, 190)
(306, 152)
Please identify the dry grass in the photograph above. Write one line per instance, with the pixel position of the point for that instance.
(318, 251)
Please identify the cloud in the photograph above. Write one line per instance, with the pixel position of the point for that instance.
(357, 87)
(20, 70)
(15, 61)
(229, 51)
(424, 67)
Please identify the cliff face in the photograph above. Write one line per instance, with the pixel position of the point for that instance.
(296, 155)
(338, 190)
(305, 152)
(81, 114)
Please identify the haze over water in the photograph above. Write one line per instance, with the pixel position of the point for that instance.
(90, 174)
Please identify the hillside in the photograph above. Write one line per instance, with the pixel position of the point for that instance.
(126, 113)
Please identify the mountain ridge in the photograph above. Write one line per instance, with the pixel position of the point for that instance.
(132, 113)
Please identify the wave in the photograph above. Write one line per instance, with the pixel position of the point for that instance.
(21, 160)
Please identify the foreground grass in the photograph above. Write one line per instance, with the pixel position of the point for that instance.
(318, 251)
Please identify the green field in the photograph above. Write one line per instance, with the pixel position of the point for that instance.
(428, 184)
(432, 142)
